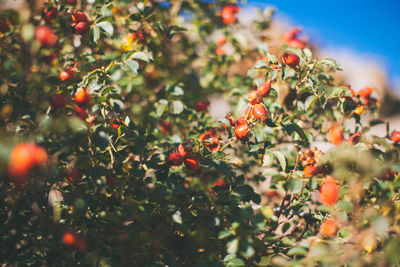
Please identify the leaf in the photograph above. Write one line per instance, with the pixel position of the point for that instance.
(161, 107)
(174, 90)
(232, 246)
(176, 107)
(177, 217)
(235, 262)
(132, 65)
(300, 132)
(95, 34)
(273, 74)
(261, 64)
(331, 62)
(107, 27)
(298, 251)
(310, 101)
(224, 234)
(281, 159)
(147, 57)
(295, 186)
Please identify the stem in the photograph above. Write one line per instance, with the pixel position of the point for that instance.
(297, 159)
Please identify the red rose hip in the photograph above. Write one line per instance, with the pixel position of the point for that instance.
(264, 88)
(242, 132)
(291, 60)
(259, 112)
(82, 97)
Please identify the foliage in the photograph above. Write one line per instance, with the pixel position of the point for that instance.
(107, 192)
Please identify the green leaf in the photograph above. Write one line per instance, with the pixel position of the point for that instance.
(174, 90)
(107, 27)
(132, 65)
(261, 64)
(232, 246)
(297, 251)
(235, 262)
(300, 132)
(147, 57)
(295, 186)
(224, 234)
(176, 107)
(95, 34)
(281, 159)
(310, 101)
(161, 107)
(331, 62)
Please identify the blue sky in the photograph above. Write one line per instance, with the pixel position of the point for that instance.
(365, 26)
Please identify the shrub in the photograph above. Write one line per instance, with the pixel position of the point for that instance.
(104, 106)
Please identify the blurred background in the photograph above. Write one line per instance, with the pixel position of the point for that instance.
(361, 35)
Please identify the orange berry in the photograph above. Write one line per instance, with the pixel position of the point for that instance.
(50, 14)
(254, 97)
(81, 28)
(25, 156)
(242, 132)
(366, 91)
(310, 171)
(329, 227)
(69, 239)
(335, 136)
(264, 88)
(241, 121)
(354, 139)
(221, 41)
(65, 74)
(45, 36)
(259, 112)
(191, 163)
(219, 51)
(220, 182)
(329, 191)
(228, 14)
(297, 43)
(210, 135)
(291, 59)
(175, 159)
(185, 148)
(291, 35)
(82, 97)
(395, 136)
(81, 113)
(79, 16)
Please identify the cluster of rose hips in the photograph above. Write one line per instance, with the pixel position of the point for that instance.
(361, 98)
(184, 155)
(292, 40)
(82, 99)
(45, 35)
(256, 110)
(309, 159)
(221, 40)
(336, 136)
(228, 14)
(329, 194)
